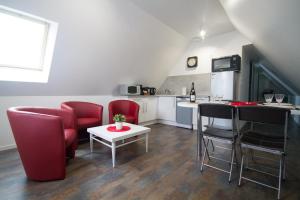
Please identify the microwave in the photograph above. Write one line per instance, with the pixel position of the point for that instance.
(228, 63)
(130, 89)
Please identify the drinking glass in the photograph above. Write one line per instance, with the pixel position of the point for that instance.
(219, 98)
(279, 98)
(269, 98)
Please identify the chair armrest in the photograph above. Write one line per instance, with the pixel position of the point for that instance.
(69, 118)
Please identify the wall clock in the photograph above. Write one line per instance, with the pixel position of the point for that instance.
(192, 62)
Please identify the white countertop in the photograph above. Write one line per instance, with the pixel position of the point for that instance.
(188, 104)
(195, 105)
(164, 95)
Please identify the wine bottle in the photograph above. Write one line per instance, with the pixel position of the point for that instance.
(193, 94)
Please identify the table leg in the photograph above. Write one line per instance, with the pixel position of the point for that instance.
(199, 136)
(91, 142)
(146, 142)
(113, 152)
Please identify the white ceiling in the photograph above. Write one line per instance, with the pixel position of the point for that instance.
(187, 17)
(273, 26)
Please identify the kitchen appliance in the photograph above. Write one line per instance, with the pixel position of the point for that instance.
(228, 63)
(141, 89)
(184, 116)
(145, 91)
(130, 89)
(152, 91)
(223, 88)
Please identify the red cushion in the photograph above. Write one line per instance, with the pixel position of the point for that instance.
(130, 119)
(70, 136)
(88, 122)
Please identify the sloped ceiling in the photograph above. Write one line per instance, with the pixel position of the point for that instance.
(100, 44)
(274, 28)
(188, 17)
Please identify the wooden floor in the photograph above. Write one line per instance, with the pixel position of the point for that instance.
(168, 171)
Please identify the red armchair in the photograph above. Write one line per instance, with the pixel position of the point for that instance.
(87, 114)
(128, 108)
(44, 138)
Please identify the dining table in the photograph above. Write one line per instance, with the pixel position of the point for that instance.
(295, 110)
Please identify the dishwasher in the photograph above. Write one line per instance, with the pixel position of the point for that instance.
(184, 116)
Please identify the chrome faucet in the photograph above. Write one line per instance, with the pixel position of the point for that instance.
(167, 91)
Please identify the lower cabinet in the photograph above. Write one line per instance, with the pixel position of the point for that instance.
(148, 108)
(167, 109)
(162, 108)
(153, 108)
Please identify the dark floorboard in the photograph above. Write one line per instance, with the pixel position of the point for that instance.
(168, 171)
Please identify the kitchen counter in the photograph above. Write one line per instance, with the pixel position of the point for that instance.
(195, 105)
(165, 95)
(140, 96)
(157, 95)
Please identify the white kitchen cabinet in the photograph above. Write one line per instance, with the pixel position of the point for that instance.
(148, 108)
(141, 103)
(167, 108)
(151, 108)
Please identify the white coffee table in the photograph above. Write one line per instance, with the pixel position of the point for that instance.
(102, 135)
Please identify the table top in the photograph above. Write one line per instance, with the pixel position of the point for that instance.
(294, 111)
(102, 132)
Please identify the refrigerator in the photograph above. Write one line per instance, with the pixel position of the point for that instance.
(223, 87)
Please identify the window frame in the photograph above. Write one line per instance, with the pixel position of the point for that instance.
(41, 72)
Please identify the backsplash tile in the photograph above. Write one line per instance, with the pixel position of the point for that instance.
(176, 83)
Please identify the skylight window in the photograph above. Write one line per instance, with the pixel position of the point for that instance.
(26, 46)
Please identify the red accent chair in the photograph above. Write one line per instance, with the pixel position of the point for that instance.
(128, 108)
(87, 114)
(44, 138)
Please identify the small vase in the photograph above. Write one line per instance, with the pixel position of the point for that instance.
(119, 125)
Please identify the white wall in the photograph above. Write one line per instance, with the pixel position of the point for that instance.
(214, 47)
(6, 136)
(100, 43)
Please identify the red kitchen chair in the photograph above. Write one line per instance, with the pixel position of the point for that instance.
(44, 138)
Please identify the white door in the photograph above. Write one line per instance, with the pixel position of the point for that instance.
(222, 85)
(150, 108)
(142, 112)
(167, 108)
